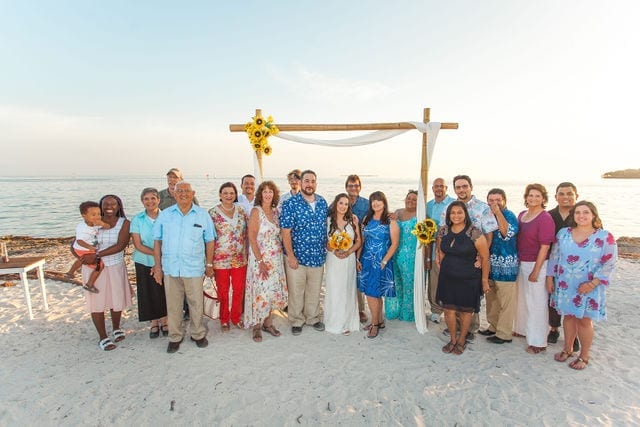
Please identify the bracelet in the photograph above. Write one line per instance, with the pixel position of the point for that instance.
(260, 261)
(383, 263)
(208, 265)
(428, 260)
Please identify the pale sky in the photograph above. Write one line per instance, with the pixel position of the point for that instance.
(542, 90)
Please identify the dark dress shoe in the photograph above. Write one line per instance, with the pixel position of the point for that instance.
(487, 332)
(318, 326)
(173, 346)
(201, 343)
(296, 330)
(553, 336)
(496, 340)
(576, 345)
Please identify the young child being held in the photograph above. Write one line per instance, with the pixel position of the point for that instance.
(87, 242)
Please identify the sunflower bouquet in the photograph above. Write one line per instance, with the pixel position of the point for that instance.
(340, 240)
(259, 130)
(425, 231)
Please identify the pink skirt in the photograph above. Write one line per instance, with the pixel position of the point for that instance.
(113, 284)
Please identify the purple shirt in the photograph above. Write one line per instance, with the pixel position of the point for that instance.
(533, 234)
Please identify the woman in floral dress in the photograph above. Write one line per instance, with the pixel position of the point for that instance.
(401, 307)
(230, 255)
(580, 268)
(266, 288)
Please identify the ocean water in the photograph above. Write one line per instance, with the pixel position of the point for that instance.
(48, 206)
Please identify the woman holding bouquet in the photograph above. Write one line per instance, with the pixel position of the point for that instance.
(340, 304)
(401, 307)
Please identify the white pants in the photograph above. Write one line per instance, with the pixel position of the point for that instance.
(532, 312)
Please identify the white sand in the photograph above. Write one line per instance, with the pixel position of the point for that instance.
(54, 374)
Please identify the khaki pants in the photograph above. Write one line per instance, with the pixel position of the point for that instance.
(304, 294)
(175, 289)
(501, 308)
(433, 288)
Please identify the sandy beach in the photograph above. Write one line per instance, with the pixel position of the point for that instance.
(55, 374)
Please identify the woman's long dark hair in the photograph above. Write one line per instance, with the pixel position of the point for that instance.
(467, 218)
(120, 212)
(333, 213)
(384, 218)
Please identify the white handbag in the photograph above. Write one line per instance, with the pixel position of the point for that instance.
(211, 306)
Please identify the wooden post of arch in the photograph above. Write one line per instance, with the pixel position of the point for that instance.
(424, 164)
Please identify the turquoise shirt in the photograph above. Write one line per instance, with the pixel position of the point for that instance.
(183, 239)
(435, 209)
(143, 225)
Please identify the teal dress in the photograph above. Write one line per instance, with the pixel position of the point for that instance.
(401, 307)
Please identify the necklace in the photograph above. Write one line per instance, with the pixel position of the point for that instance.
(231, 209)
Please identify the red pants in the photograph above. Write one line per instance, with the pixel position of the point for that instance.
(233, 278)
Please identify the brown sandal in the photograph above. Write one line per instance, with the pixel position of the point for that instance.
(458, 349)
(271, 330)
(449, 347)
(257, 334)
(562, 356)
(579, 364)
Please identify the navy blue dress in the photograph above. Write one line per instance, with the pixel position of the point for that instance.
(459, 282)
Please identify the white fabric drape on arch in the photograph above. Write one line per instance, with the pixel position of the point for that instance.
(431, 129)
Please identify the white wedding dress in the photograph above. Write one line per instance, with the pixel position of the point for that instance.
(340, 303)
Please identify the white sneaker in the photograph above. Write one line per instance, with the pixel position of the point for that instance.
(435, 318)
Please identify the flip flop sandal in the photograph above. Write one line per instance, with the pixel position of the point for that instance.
(118, 335)
(106, 344)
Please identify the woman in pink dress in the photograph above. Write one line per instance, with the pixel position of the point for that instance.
(113, 282)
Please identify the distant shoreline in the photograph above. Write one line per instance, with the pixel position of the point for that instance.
(622, 174)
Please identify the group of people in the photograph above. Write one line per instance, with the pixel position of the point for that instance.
(269, 251)
(533, 268)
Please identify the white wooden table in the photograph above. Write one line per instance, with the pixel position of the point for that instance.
(22, 265)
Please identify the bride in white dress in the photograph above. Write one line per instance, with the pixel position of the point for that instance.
(340, 303)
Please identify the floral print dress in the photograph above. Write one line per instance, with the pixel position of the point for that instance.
(572, 263)
(263, 294)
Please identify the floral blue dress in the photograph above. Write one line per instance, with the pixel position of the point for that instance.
(372, 280)
(401, 307)
(572, 263)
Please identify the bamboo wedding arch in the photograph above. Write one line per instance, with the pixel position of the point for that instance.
(419, 284)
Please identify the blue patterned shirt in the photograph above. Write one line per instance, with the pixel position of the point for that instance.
(503, 257)
(360, 208)
(480, 214)
(308, 229)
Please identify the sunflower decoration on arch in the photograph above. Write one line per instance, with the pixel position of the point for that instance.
(259, 130)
